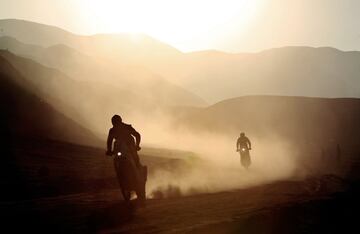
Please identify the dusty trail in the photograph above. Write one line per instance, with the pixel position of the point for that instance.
(105, 213)
(64, 207)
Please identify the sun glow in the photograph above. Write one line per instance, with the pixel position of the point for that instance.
(172, 21)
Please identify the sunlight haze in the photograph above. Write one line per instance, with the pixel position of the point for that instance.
(226, 25)
(180, 23)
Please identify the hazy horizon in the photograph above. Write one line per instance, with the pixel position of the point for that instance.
(230, 26)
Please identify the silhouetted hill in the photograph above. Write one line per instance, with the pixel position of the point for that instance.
(308, 122)
(25, 115)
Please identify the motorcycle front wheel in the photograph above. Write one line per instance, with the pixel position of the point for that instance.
(245, 160)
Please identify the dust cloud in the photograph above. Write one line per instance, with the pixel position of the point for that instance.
(214, 165)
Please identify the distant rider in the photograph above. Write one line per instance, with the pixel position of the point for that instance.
(243, 145)
(124, 135)
(243, 142)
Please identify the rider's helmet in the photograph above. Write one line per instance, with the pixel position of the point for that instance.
(116, 120)
(242, 134)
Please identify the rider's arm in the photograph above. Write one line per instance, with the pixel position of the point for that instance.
(137, 136)
(109, 142)
(249, 142)
(238, 144)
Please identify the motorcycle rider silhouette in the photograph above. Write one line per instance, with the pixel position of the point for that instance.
(243, 145)
(130, 173)
(124, 137)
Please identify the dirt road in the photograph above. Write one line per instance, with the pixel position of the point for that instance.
(225, 212)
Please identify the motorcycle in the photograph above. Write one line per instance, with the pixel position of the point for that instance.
(130, 177)
(245, 157)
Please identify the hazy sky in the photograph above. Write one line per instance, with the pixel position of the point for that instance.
(228, 25)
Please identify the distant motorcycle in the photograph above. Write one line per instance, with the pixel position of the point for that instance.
(245, 157)
(130, 177)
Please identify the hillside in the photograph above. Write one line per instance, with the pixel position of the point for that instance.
(25, 115)
(308, 122)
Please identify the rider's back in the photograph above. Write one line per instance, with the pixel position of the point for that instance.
(243, 141)
(123, 134)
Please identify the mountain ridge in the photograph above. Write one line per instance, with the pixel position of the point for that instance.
(214, 75)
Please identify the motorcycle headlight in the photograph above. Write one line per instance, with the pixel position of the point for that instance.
(119, 153)
(243, 149)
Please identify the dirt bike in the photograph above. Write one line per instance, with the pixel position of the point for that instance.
(130, 177)
(245, 157)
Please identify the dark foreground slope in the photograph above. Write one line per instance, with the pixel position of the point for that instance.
(26, 115)
(25, 118)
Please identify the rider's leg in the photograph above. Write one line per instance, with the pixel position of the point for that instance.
(117, 170)
(137, 160)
